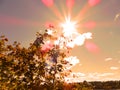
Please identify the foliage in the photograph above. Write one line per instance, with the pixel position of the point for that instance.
(18, 67)
(41, 64)
(106, 84)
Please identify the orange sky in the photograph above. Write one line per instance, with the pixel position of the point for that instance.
(99, 57)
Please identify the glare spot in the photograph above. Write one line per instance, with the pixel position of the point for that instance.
(48, 2)
(93, 2)
(92, 47)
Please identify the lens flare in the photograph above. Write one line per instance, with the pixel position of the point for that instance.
(92, 47)
(48, 3)
(47, 46)
(93, 2)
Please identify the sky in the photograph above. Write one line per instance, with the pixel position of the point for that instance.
(99, 57)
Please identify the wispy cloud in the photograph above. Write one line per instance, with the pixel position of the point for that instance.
(114, 68)
(108, 59)
(105, 74)
(96, 74)
(117, 16)
(79, 77)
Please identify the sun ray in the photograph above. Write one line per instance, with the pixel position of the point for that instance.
(56, 12)
(80, 16)
(70, 4)
(51, 5)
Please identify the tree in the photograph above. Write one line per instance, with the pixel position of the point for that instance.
(45, 63)
(19, 69)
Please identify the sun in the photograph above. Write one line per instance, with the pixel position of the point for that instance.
(68, 27)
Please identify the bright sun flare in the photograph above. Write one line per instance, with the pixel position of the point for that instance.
(68, 26)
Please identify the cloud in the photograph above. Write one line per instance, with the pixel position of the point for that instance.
(114, 68)
(76, 74)
(95, 76)
(106, 74)
(108, 59)
(98, 76)
(72, 60)
(75, 77)
(117, 16)
(79, 74)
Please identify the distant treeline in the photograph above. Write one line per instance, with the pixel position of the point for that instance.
(106, 84)
(96, 85)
